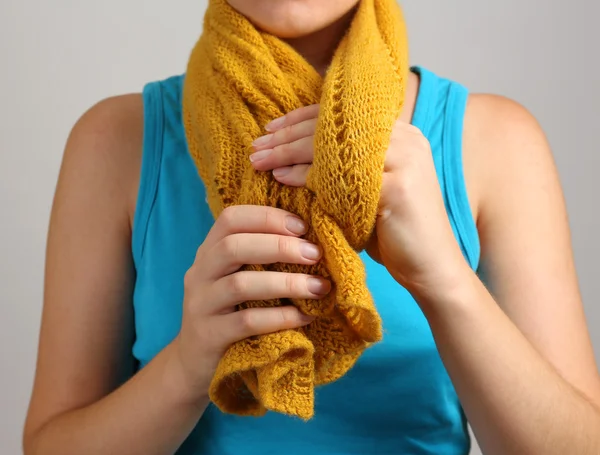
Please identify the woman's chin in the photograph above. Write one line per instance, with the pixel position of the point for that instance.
(288, 19)
(291, 32)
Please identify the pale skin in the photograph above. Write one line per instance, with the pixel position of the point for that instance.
(519, 355)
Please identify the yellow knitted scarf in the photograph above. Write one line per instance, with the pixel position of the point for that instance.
(240, 78)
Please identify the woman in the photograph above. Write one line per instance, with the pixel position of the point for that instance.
(135, 257)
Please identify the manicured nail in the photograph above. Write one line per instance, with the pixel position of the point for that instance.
(295, 225)
(306, 317)
(275, 124)
(260, 155)
(281, 171)
(310, 251)
(263, 140)
(318, 286)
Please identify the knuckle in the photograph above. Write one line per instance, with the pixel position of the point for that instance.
(404, 186)
(239, 285)
(313, 110)
(410, 128)
(282, 149)
(247, 321)
(269, 218)
(189, 278)
(291, 285)
(287, 132)
(230, 247)
(284, 245)
(284, 316)
(293, 116)
(227, 216)
(199, 253)
(400, 185)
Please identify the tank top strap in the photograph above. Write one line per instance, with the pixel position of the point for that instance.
(150, 168)
(439, 114)
(167, 168)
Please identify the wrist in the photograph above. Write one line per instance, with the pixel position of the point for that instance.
(177, 382)
(445, 290)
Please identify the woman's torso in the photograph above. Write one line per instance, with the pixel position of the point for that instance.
(398, 398)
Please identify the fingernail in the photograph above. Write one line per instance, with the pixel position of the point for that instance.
(306, 317)
(260, 155)
(318, 286)
(275, 124)
(262, 140)
(295, 225)
(281, 171)
(310, 251)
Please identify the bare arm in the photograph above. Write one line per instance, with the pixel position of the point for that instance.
(521, 361)
(85, 342)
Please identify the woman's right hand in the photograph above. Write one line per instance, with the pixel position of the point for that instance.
(214, 287)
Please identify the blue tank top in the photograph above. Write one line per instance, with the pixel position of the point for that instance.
(398, 399)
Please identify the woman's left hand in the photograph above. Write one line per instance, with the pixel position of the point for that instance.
(413, 237)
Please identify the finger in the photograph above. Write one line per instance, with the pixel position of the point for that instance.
(286, 135)
(259, 321)
(254, 219)
(292, 175)
(243, 286)
(235, 250)
(293, 117)
(297, 152)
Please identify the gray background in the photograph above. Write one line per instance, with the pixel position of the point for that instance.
(58, 58)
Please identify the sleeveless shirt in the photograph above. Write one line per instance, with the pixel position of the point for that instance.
(398, 398)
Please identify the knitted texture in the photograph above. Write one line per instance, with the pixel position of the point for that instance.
(240, 78)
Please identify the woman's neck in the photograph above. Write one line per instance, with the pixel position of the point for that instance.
(318, 48)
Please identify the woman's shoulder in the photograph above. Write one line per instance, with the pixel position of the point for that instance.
(502, 141)
(107, 140)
